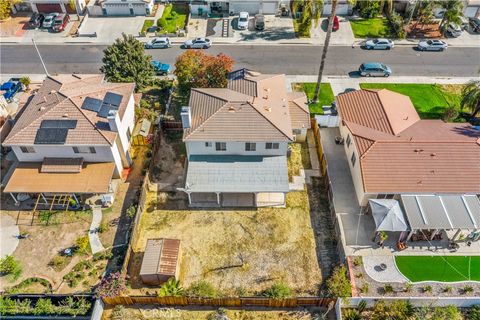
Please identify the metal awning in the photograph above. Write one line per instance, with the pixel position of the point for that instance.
(442, 211)
(209, 173)
(93, 178)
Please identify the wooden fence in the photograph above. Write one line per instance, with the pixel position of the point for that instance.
(171, 125)
(221, 302)
(318, 146)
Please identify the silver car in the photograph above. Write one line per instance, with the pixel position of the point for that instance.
(198, 43)
(432, 45)
(379, 44)
(158, 43)
(49, 18)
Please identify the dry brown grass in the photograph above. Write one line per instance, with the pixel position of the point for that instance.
(150, 312)
(299, 159)
(240, 251)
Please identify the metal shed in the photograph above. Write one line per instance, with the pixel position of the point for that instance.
(160, 261)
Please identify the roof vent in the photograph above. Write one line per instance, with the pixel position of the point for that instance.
(406, 118)
(231, 109)
(418, 150)
(268, 109)
(41, 108)
(65, 115)
(53, 91)
(267, 89)
(433, 154)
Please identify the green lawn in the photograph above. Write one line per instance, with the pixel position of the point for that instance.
(371, 28)
(147, 24)
(430, 100)
(174, 18)
(439, 268)
(326, 95)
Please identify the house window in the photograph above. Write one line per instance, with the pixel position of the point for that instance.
(129, 135)
(208, 144)
(349, 140)
(353, 159)
(27, 149)
(221, 146)
(297, 131)
(250, 146)
(272, 145)
(84, 150)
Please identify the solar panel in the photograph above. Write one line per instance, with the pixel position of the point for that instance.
(112, 99)
(105, 109)
(59, 124)
(92, 104)
(51, 136)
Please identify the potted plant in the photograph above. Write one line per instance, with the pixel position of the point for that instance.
(383, 237)
(73, 204)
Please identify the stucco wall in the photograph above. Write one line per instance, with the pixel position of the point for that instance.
(234, 148)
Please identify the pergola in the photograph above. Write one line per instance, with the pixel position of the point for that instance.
(441, 212)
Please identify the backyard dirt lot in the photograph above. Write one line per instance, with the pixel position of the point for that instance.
(238, 252)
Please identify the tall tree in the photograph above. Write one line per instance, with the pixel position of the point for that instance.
(196, 69)
(471, 97)
(325, 50)
(453, 13)
(425, 13)
(125, 61)
(6, 8)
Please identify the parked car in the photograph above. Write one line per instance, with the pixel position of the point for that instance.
(336, 24)
(243, 21)
(475, 24)
(36, 20)
(11, 88)
(259, 22)
(374, 69)
(432, 45)
(454, 30)
(161, 69)
(198, 43)
(379, 44)
(60, 22)
(158, 43)
(48, 21)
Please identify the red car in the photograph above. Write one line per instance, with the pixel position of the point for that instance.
(60, 22)
(336, 24)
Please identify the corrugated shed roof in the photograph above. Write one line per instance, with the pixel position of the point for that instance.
(61, 97)
(160, 257)
(61, 165)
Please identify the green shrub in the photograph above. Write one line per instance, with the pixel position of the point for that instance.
(25, 81)
(45, 215)
(467, 289)
(10, 266)
(388, 288)
(447, 289)
(450, 114)
(104, 255)
(44, 306)
(408, 287)
(398, 25)
(202, 288)
(369, 9)
(278, 290)
(364, 288)
(83, 244)
(351, 314)
(338, 285)
(446, 313)
(171, 288)
(357, 261)
(474, 313)
(362, 306)
(132, 210)
(58, 262)
(427, 288)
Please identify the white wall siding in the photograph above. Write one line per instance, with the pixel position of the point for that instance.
(103, 153)
(234, 148)
(128, 121)
(118, 160)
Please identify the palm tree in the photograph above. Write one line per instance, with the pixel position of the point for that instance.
(453, 13)
(325, 50)
(471, 97)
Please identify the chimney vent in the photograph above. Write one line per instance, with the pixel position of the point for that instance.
(186, 116)
(113, 120)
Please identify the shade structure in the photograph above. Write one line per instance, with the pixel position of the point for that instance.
(388, 215)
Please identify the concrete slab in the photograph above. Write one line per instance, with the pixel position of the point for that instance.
(371, 265)
(343, 36)
(8, 235)
(276, 29)
(95, 243)
(108, 29)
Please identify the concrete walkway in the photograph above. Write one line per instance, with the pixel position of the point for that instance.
(371, 264)
(8, 235)
(95, 243)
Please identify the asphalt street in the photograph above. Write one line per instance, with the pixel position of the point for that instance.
(288, 59)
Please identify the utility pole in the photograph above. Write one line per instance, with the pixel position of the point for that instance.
(40, 56)
(325, 50)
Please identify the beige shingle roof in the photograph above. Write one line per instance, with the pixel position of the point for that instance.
(401, 154)
(61, 98)
(253, 107)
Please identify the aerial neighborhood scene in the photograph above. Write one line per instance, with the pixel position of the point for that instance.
(240, 159)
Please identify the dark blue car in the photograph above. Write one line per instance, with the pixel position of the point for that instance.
(11, 88)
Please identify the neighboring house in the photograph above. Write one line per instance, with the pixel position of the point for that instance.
(237, 140)
(48, 6)
(471, 8)
(237, 6)
(72, 136)
(392, 153)
(343, 8)
(126, 7)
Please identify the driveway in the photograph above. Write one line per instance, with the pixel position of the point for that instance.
(109, 28)
(8, 232)
(343, 36)
(276, 28)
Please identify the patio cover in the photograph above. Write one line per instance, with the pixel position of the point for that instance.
(387, 215)
(231, 173)
(442, 211)
(93, 178)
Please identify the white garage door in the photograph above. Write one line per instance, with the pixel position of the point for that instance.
(269, 7)
(139, 9)
(250, 7)
(470, 12)
(342, 9)
(117, 9)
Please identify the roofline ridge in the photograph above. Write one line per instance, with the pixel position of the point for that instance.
(94, 126)
(201, 125)
(299, 106)
(385, 113)
(211, 95)
(273, 124)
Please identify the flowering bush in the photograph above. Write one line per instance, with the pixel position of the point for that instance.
(111, 286)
